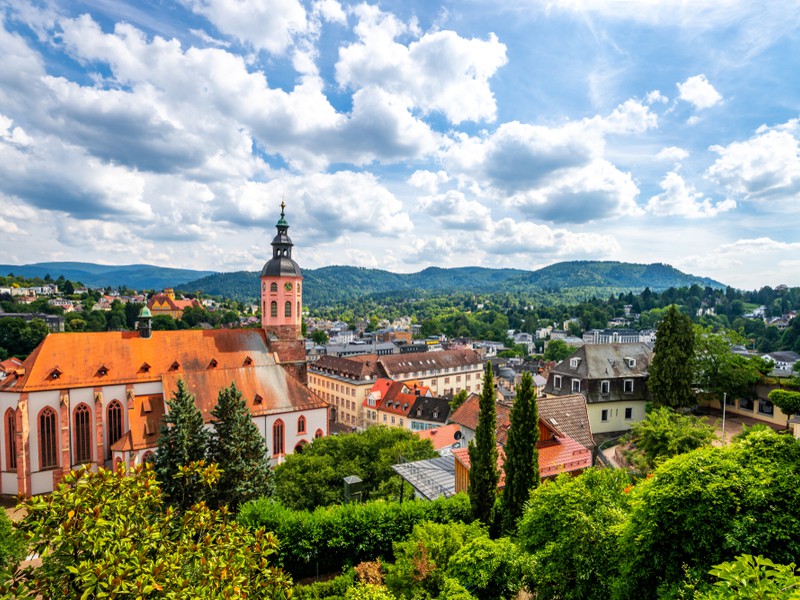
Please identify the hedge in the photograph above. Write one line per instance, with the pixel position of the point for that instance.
(331, 538)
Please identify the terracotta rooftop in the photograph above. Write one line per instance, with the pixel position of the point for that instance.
(441, 437)
(345, 367)
(466, 415)
(568, 414)
(462, 455)
(145, 424)
(398, 365)
(74, 360)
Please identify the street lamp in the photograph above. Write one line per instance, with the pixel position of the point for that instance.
(724, 404)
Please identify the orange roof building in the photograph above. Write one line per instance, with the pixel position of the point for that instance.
(166, 304)
(99, 398)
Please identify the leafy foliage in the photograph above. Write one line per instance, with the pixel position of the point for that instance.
(707, 506)
(787, 400)
(522, 458)
(569, 527)
(557, 350)
(11, 544)
(458, 400)
(483, 475)
(19, 338)
(107, 535)
(718, 370)
(489, 569)
(314, 477)
(183, 440)
(753, 578)
(239, 450)
(671, 374)
(332, 537)
(664, 433)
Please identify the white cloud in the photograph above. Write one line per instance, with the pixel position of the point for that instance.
(527, 238)
(698, 92)
(454, 211)
(672, 154)
(767, 166)
(264, 24)
(656, 96)
(682, 199)
(428, 181)
(331, 11)
(439, 72)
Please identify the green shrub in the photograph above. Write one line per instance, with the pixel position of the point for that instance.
(334, 589)
(330, 538)
(489, 569)
(11, 544)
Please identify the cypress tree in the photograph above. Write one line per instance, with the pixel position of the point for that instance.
(522, 458)
(183, 440)
(483, 475)
(239, 450)
(671, 372)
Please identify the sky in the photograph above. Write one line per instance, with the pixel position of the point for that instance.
(403, 134)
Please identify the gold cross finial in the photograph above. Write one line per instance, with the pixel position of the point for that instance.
(283, 207)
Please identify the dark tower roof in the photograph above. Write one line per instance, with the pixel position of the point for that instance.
(281, 263)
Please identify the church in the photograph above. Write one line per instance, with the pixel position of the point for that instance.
(98, 398)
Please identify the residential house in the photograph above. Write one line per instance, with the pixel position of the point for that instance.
(612, 378)
(166, 304)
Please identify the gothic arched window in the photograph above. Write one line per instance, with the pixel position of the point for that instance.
(273, 287)
(114, 421)
(11, 440)
(273, 309)
(287, 309)
(83, 434)
(278, 431)
(48, 444)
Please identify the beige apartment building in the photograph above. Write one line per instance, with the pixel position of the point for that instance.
(346, 382)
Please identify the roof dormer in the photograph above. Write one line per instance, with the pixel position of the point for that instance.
(55, 373)
(175, 366)
(258, 400)
(145, 368)
(631, 362)
(102, 371)
(213, 364)
(248, 361)
(574, 362)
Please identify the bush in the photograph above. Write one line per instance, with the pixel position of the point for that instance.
(706, 507)
(664, 433)
(489, 569)
(334, 589)
(331, 538)
(569, 527)
(11, 544)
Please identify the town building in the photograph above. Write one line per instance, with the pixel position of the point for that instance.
(98, 398)
(612, 378)
(163, 304)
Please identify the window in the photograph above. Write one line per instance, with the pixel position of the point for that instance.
(557, 382)
(318, 434)
(627, 386)
(765, 407)
(730, 400)
(114, 420)
(628, 414)
(273, 287)
(745, 404)
(604, 415)
(48, 445)
(576, 385)
(287, 309)
(277, 438)
(273, 309)
(301, 424)
(574, 362)
(83, 434)
(605, 387)
(11, 440)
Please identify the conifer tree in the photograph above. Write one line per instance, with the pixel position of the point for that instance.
(483, 475)
(522, 458)
(671, 372)
(239, 450)
(183, 440)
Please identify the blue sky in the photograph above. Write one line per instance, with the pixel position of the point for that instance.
(403, 134)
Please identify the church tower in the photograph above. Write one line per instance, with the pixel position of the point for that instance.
(282, 301)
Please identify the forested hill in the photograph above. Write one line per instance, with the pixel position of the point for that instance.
(330, 285)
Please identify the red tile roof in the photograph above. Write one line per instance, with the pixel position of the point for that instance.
(441, 437)
(80, 359)
(467, 416)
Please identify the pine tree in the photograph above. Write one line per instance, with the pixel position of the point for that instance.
(239, 450)
(483, 475)
(671, 372)
(183, 440)
(522, 458)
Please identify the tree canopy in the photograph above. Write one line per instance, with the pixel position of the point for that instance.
(671, 372)
(483, 474)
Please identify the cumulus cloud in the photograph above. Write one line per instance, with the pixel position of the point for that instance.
(528, 238)
(698, 92)
(264, 24)
(454, 211)
(439, 72)
(767, 166)
(672, 154)
(428, 181)
(682, 199)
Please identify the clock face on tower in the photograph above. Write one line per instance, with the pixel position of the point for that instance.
(288, 286)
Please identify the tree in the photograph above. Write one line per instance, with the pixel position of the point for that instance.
(11, 544)
(106, 534)
(570, 528)
(671, 372)
(752, 578)
(664, 434)
(319, 337)
(787, 400)
(718, 370)
(458, 400)
(490, 569)
(704, 507)
(239, 450)
(557, 350)
(522, 458)
(183, 440)
(313, 477)
(483, 475)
